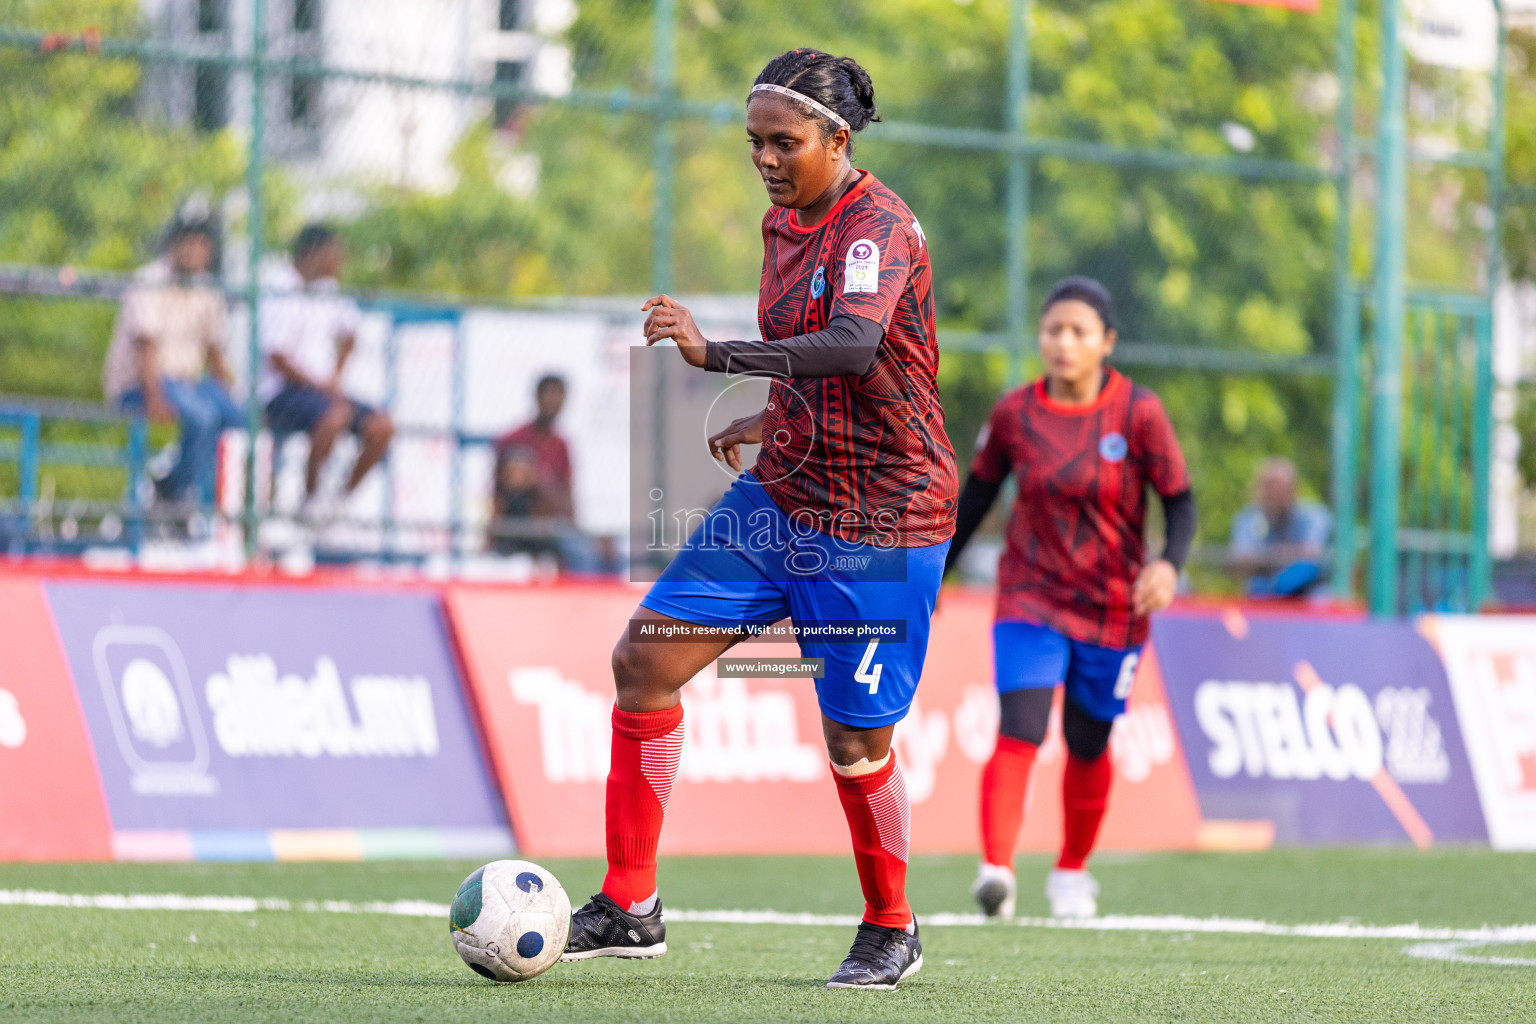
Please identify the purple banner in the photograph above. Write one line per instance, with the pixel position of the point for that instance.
(1338, 731)
(214, 707)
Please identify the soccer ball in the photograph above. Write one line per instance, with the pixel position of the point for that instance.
(510, 920)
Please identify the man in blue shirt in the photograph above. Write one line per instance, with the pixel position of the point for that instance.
(1279, 543)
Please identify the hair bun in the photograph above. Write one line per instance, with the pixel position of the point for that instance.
(838, 83)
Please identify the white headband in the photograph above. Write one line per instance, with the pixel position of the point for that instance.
(782, 91)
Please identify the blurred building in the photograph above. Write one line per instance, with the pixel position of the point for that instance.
(372, 127)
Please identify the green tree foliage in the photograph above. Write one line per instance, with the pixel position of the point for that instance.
(1194, 259)
(1202, 260)
(83, 182)
(1520, 156)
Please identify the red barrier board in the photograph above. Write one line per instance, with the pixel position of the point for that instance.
(1152, 804)
(754, 776)
(51, 804)
(1491, 662)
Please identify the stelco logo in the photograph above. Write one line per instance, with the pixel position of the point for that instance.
(1267, 729)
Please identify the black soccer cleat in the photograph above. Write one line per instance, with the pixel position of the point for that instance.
(603, 928)
(880, 958)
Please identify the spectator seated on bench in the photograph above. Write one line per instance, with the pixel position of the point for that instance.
(166, 357)
(308, 330)
(1278, 542)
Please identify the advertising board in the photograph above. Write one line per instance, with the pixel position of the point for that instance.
(1337, 730)
(754, 776)
(248, 723)
(1491, 661)
(51, 805)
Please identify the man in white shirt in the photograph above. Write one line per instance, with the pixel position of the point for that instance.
(166, 357)
(308, 330)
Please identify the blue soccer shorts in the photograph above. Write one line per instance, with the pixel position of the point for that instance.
(1098, 680)
(748, 566)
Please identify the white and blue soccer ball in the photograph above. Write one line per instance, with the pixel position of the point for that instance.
(510, 920)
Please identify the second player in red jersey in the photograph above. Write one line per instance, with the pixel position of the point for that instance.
(1074, 541)
(1084, 444)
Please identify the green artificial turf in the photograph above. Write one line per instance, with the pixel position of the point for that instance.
(60, 964)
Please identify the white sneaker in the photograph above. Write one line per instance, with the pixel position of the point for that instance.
(994, 890)
(319, 511)
(1072, 894)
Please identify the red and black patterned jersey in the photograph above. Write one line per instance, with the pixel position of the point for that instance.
(1074, 543)
(865, 457)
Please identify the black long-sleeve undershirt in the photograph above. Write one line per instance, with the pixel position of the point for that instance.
(976, 499)
(1180, 519)
(977, 496)
(847, 346)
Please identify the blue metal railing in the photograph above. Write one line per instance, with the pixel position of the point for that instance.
(29, 453)
(25, 418)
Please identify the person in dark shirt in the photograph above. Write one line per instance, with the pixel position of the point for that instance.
(533, 509)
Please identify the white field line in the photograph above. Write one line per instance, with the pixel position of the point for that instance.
(1140, 923)
(1114, 922)
(1455, 953)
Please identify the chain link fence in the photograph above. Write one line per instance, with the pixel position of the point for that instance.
(508, 178)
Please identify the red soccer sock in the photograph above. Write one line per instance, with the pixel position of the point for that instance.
(1004, 783)
(880, 821)
(1084, 795)
(646, 748)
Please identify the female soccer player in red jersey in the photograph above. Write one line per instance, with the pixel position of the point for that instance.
(855, 470)
(1074, 591)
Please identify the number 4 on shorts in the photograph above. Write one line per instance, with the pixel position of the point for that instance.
(867, 672)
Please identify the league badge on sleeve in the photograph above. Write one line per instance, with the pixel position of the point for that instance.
(861, 271)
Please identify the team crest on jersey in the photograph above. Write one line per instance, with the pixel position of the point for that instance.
(1112, 447)
(861, 270)
(819, 283)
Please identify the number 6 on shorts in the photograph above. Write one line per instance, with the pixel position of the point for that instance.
(1127, 675)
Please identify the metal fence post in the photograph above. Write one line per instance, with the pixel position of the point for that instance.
(30, 467)
(1391, 267)
(1479, 567)
(1346, 320)
(458, 541)
(1481, 582)
(255, 229)
(138, 446)
(664, 159)
(1018, 189)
